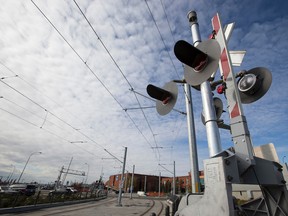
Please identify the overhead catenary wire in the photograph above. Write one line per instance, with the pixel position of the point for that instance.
(37, 90)
(46, 110)
(119, 104)
(44, 119)
(67, 42)
(184, 90)
(162, 39)
(34, 87)
(32, 113)
(118, 67)
(54, 134)
(106, 88)
(166, 46)
(89, 68)
(166, 17)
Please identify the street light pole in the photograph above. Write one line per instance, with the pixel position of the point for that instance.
(87, 173)
(122, 179)
(26, 165)
(174, 183)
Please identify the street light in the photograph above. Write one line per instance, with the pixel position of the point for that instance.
(26, 164)
(87, 173)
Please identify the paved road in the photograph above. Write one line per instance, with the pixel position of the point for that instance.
(106, 207)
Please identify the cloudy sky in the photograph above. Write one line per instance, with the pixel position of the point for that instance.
(74, 76)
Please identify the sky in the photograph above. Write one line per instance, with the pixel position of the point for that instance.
(74, 76)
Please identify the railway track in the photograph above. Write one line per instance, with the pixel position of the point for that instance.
(136, 206)
(80, 207)
(156, 209)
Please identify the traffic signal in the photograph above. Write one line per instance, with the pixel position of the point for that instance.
(200, 62)
(254, 84)
(166, 97)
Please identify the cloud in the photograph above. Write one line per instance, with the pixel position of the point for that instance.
(80, 95)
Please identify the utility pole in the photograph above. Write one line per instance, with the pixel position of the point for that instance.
(194, 167)
(64, 178)
(122, 179)
(26, 165)
(132, 181)
(159, 184)
(174, 183)
(145, 182)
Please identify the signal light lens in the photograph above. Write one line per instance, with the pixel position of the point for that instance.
(248, 84)
(190, 55)
(166, 100)
(158, 93)
(220, 89)
(200, 62)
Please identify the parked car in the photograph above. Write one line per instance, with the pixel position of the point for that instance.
(71, 190)
(1, 189)
(26, 189)
(4, 189)
(64, 190)
(141, 193)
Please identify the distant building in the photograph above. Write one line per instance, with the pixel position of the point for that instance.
(267, 152)
(152, 182)
(183, 183)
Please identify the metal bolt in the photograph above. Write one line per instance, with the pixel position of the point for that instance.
(229, 178)
(227, 162)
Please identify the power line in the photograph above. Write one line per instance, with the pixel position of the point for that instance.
(39, 91)
(120, 70)
(51, 114)
(167, 20)
(32, 113)
(118, 67)
(54, 134)
(102, 43)
(94, 72)
(44, 109)
(34, 87)
(78, 55)
(162, 39)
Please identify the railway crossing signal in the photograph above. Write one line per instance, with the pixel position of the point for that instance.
(238, 164)
(166, 97)
(200, 62)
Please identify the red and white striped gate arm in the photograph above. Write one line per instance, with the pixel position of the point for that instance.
(239, 128)
(225, 65)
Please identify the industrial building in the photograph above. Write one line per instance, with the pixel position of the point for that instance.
(150, 183)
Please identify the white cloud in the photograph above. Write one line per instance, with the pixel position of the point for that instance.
(81, 109)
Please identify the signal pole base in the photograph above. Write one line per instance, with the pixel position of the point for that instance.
(217, 199)
(221, 172)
